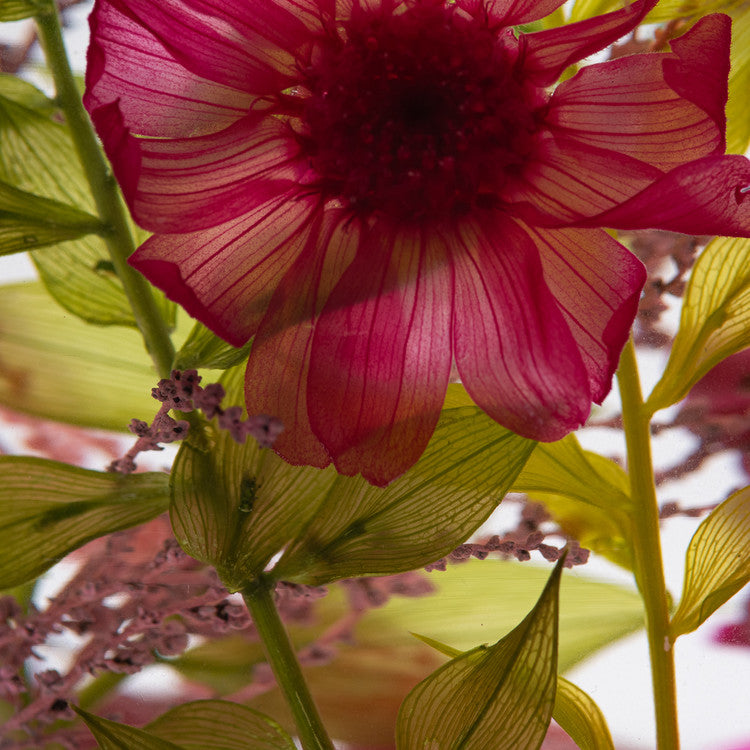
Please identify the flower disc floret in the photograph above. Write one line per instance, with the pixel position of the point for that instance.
(419, 114)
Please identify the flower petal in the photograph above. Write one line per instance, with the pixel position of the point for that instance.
(158, 95)
(186, 184)
(510, 12)
(381, 354)
(597, 284)
(549, 52)
(568, 180)
(701, 197)
(277, 371)
(514, 351)
(225, 276)
(662, 109)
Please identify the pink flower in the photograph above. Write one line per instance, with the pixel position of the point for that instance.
(386, 192)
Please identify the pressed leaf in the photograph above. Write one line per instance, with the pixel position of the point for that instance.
(717, 563)
(37, 156)
(236, 506)
(203, 348)
(587, 494)
(491, 696)
(28, 221)
(219, 725)
(55, 366)
(715, 320)
(580, 717)
(48, 509)
(16, 10)
(460, 479)
(113, 736)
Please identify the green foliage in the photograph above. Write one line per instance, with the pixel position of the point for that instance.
(580, 717)
(199, 725)
(587, 494)
(203, 348)
(717, 563)
(16, 10)
(715, 320)
(491, 696)
(49, 509)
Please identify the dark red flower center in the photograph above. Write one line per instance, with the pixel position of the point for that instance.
(417, 115)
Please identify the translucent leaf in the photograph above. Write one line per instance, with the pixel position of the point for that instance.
(203, 348)
(587, 494)
(359, 529)
(113, 736)
(48, 509)
(717, 563)
(236, 506)
(55, 366)
(219, 725)
(715, 319)
(580, 717)
(583, 9)
(37, 156)
(16, 10)
(738, 122)
(491, 696)
(28, 221)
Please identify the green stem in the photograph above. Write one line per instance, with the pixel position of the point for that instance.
(646, 539)
(280, 654)
(109, 204)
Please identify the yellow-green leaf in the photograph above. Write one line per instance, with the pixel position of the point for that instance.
(580, 717)
(113, 736)
(53, 365)
(37, 156)
(738, 120)
(587, 494)
(715, 319)
(29, 221)
(717, 563)
(48, 509)
(491, 696)
(583, 9)
(16, 10)
(203, 348)
(460, 479)
(219, 725)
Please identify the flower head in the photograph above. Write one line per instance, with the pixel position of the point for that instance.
(386, 193)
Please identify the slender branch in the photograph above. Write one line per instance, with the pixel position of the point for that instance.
(103, 186)
(646, 540)
(280, 654)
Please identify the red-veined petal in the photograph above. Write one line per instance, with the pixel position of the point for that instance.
(514, 351)
(225, 276)
(381, 354)
(277, 371)
(510, 12)
(597, 285)
(187, 184)
(549, 52)
(661, 109)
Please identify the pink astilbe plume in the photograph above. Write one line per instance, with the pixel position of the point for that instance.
(385, 193)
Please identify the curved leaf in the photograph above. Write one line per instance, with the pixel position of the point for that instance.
(587, 494)
(580, 717)
(715, 319)
(113, 736)
(203, 348)
(17, 10)
(359, 529)
(29, 221)
(717, 563)
(219, 725)
(491, 696)
(48, 509)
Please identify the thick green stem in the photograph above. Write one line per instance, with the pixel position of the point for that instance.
(280, 654)
(109, 204)
(646, 539)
